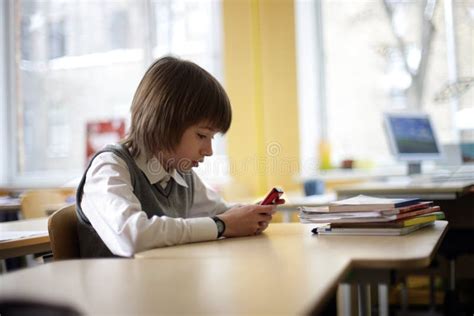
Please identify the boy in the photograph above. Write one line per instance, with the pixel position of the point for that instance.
(142, 193)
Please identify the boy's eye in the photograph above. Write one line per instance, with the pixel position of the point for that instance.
(201, 136)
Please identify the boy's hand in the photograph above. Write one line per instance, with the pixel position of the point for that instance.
(247, 220)
(277, 202)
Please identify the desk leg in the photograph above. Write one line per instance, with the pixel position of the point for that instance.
(345, 307)
(344, 304)
(364, 299)
(363, 279)
(383, 299)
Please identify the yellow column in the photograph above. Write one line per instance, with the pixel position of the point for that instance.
(260, 78)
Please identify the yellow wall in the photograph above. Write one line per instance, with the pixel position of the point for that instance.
(260, 78)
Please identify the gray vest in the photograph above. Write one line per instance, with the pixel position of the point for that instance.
(173, 201)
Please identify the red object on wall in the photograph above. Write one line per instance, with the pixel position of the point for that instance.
(101, 133)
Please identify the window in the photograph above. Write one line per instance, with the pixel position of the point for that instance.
(365, 74)
(192, 30)
(80, 61)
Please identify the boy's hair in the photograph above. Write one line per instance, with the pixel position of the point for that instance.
(173, 95)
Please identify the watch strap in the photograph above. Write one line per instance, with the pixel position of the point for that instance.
(220, 226)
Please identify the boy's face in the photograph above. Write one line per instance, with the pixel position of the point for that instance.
(195, 144)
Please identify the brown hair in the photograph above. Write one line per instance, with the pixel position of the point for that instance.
(173, 95)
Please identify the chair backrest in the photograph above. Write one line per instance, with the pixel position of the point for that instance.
(37, 203)
(62, 228)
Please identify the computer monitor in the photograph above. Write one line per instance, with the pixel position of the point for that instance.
(412, 138)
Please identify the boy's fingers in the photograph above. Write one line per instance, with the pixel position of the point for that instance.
(277, 202)
(264, 218)
(280, 201)
(265, 209)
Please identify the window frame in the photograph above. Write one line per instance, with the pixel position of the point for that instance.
(10, 175)
(6, 155)
(10, 168)
(314, 106)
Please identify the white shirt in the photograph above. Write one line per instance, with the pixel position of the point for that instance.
(116, 214)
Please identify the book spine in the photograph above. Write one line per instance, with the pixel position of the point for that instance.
(402, 206)
(358, 208)
(395, 224)
(419, 206)
(408, 202)
(418, 212)
(328, 230)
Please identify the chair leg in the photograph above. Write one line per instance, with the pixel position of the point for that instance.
(404, 295)
(3, 266)
(452, 274)
(432, 292)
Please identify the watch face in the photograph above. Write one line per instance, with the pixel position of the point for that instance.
(220, 227)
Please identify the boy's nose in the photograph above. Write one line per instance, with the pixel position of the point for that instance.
(207, 149)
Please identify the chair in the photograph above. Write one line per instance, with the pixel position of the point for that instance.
(37, 203)
(62, 228)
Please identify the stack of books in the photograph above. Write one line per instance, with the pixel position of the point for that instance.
(366, 215)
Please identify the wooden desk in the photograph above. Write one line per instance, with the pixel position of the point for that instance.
(456, 200)
(27, 245)
(14, 206)
(8, 204)
(295, 240)
(9, 208)
(209, 286)
(369, 257)
(285, 271)
(425, 190)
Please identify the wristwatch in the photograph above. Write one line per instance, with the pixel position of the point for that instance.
(220, 226)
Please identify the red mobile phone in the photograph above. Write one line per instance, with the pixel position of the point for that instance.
(272, 196)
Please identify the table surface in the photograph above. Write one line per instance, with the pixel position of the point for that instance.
(295, 240)
(285, 271)
(26, 245)
(449, 190)
(177, 286)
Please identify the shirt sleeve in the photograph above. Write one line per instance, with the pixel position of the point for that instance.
(116, 214)
(207, 202)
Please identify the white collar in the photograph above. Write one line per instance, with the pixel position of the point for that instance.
(156, 173)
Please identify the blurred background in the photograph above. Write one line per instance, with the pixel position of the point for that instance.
(309, 82)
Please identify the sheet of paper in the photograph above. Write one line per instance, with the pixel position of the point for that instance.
(341, 215)
(4, 236)
(363, 199)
